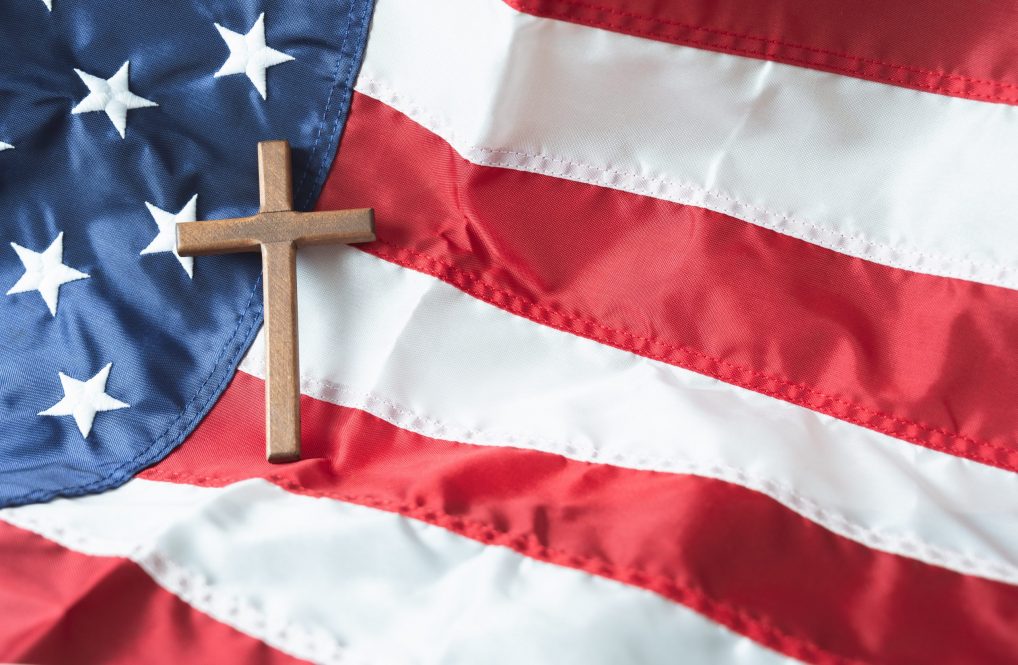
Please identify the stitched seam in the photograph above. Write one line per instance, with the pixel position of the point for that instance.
(732, 206)
(325, 113)
(241, 613)
(761, 382)
(904, 543)
(193, 588)
(535, 8)
(344, 104)
(519, 303)
(527, 543)
(738, 203)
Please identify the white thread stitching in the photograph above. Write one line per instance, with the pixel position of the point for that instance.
(907, 258)
(310, 642)
(903, 544)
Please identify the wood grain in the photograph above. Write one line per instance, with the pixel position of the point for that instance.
(277, 231)
(275, 184)
(282, 378)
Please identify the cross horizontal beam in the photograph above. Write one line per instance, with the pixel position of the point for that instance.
(247, 234)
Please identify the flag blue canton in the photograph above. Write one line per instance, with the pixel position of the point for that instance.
(116, 121)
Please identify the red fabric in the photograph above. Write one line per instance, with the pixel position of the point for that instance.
(927, 359)
(963, 49)
(83, 609)
(734, 555)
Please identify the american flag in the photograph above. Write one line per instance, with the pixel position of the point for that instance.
(689, 336)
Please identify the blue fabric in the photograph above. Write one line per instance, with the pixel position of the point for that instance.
(174, 342)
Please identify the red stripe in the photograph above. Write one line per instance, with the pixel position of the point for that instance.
(59, 606)
(729, 553)
(952, 48)
(926, 359)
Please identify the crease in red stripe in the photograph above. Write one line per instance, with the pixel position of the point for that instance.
(61, 606)
(734, 555)
(920, 44)
(921, 358)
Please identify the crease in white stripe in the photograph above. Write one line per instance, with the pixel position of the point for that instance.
(862, 168)
(431, 359)
(128, 522)
(902, 543)
(334, 582)
(676, 191)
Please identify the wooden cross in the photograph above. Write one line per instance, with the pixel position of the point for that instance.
(278, 230)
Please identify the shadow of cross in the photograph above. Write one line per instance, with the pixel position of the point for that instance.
(278, 230)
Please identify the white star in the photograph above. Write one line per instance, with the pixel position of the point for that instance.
(112, 96)
(49, 4)
(84, 399)
(166, 239)
(45, 272)
(5, 146)
(249, 54)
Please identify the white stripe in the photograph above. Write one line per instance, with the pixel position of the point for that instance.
(426, 357)
(335, 582)
(904, 178)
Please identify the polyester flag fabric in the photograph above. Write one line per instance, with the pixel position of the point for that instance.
(688, 335)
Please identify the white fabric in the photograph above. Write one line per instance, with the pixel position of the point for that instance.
(904, 178)
(334, 582)
(426, 357)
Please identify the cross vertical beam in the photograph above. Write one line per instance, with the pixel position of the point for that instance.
(277, 231)
(282, 342)
(282, 376)
(275, 185)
